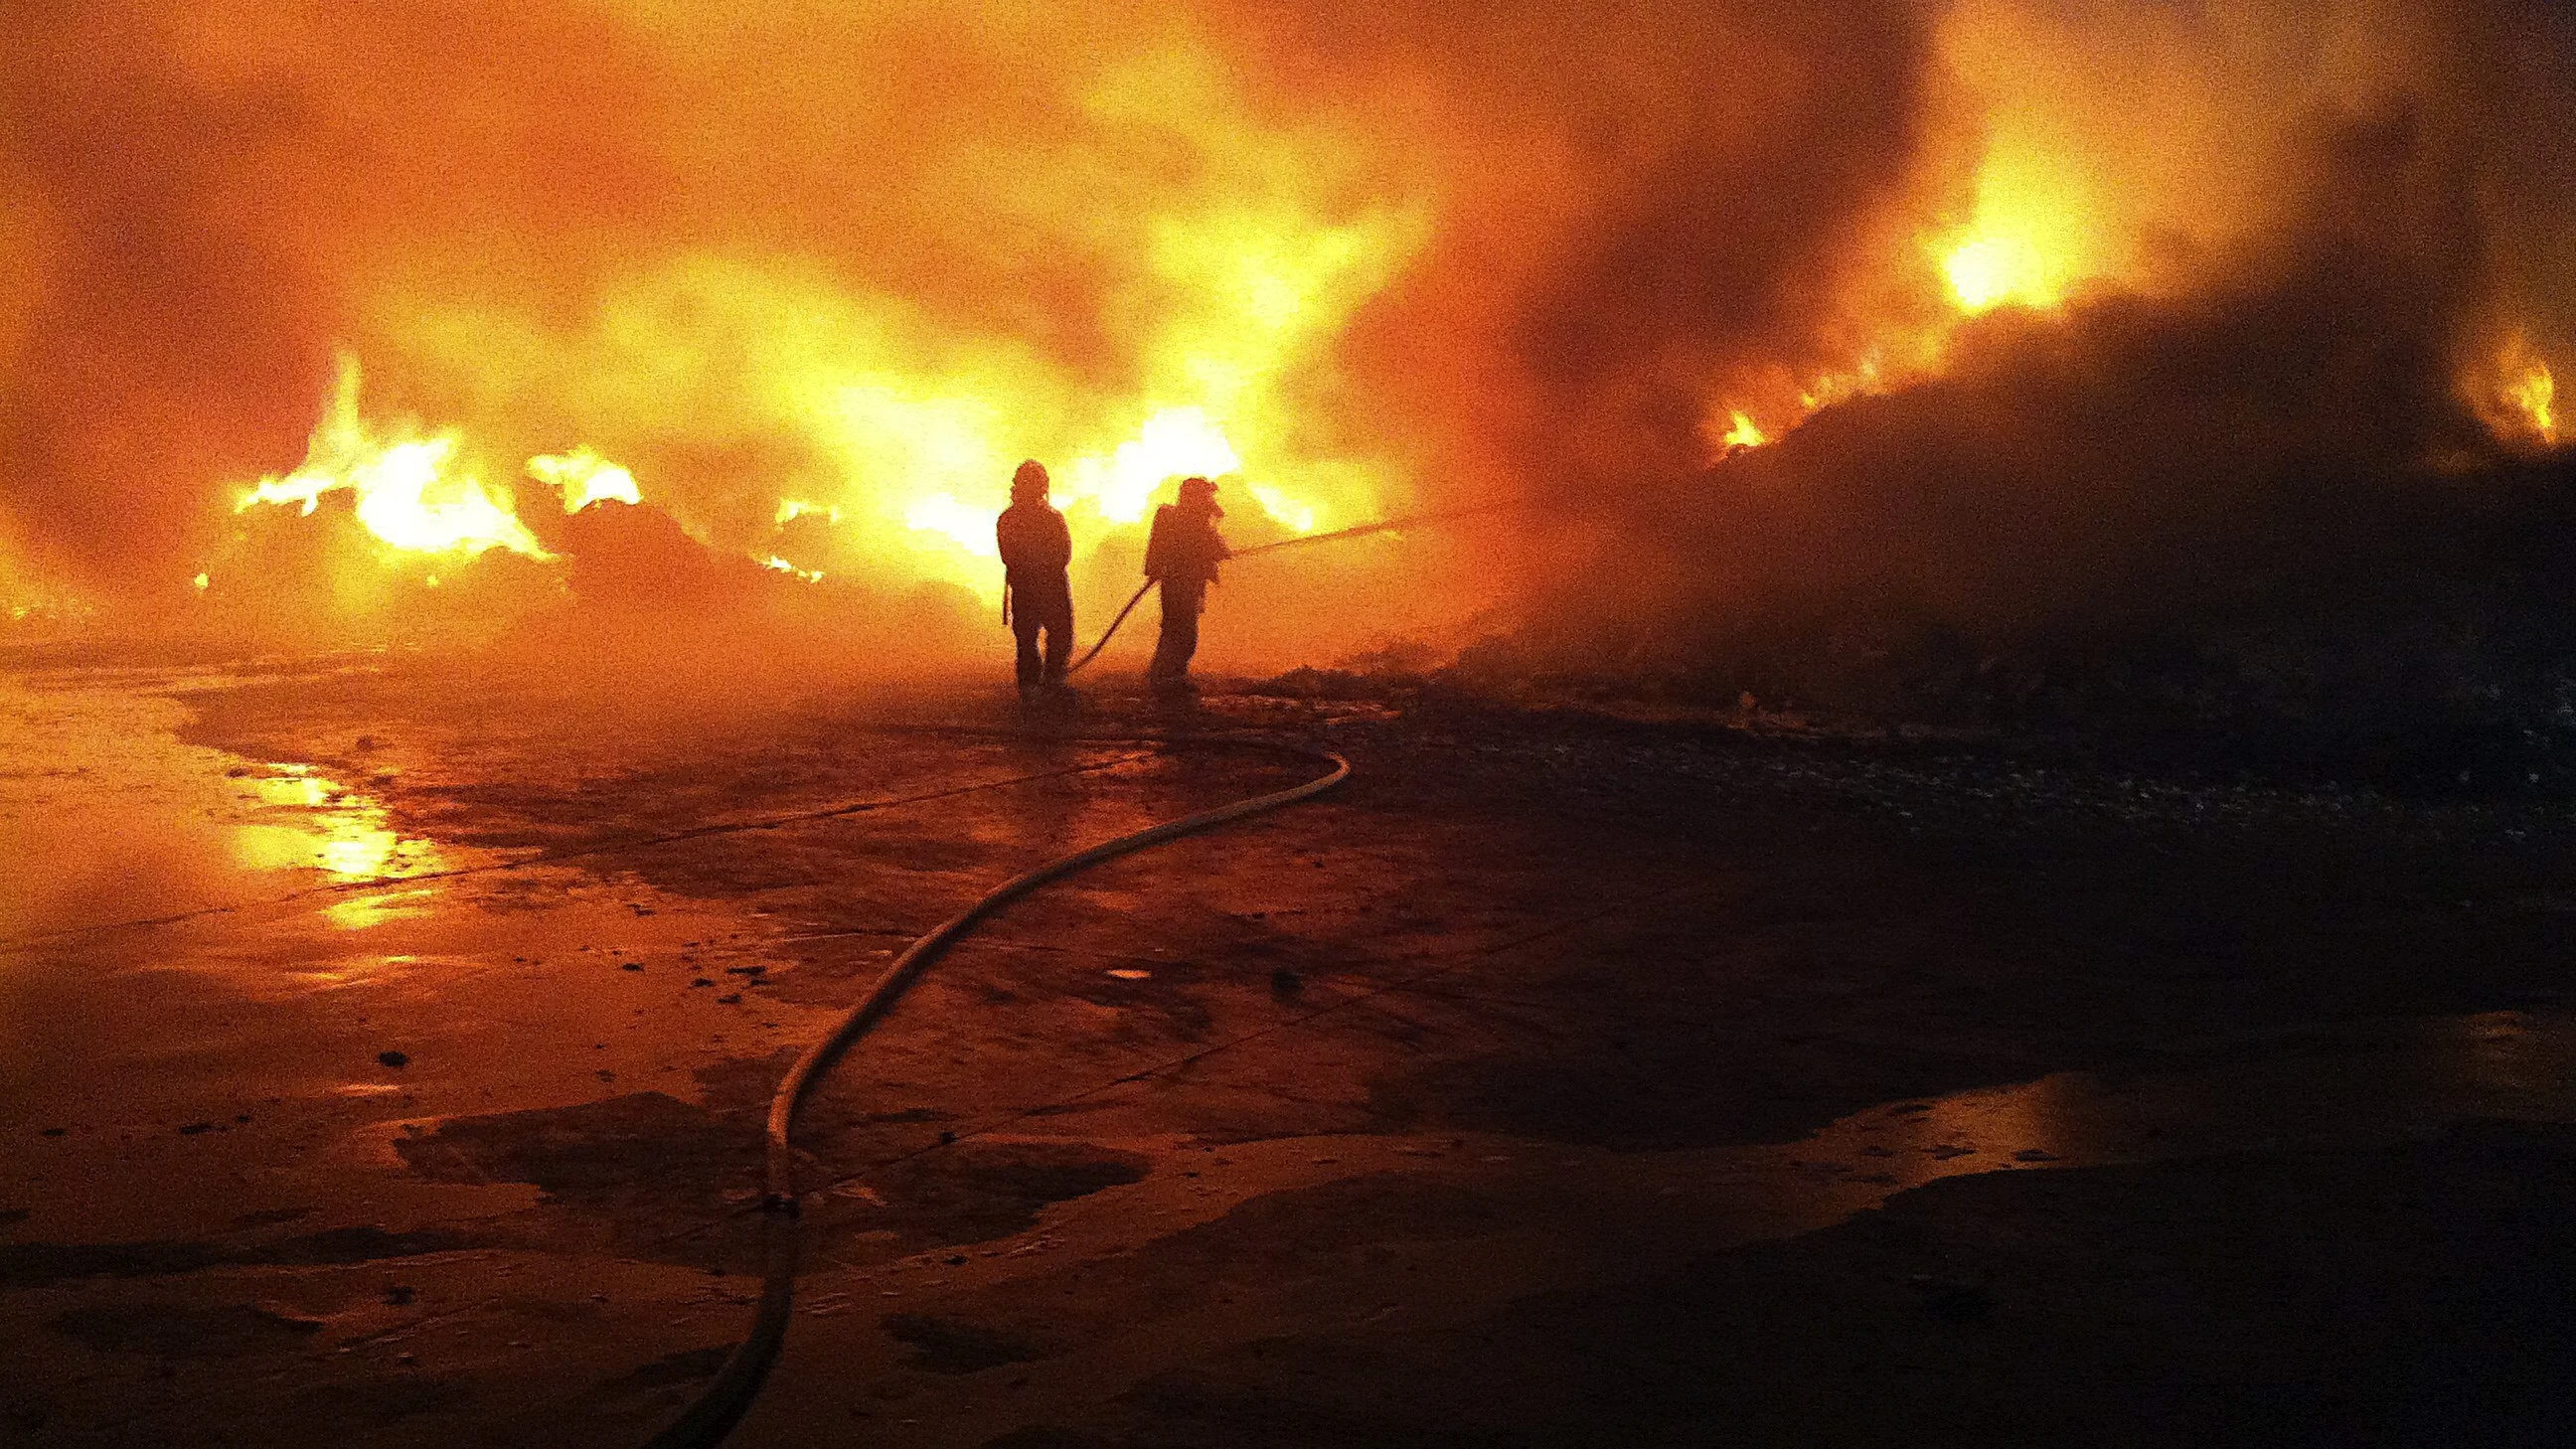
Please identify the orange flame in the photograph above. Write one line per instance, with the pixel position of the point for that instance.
(2026, 246)
(585, 478)
(1176, 442)
(2517, 394)
(2535, 394)
(410, 493)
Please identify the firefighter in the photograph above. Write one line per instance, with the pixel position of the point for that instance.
(1036, 598)
(1182, 554)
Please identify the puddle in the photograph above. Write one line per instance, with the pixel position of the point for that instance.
(107, 816)
(304, 821)
(365, 910)
(2348, 1085)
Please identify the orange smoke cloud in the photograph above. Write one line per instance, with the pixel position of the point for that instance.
(816, 278)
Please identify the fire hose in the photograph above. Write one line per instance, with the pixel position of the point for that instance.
(1391, 525)
(737, 1382)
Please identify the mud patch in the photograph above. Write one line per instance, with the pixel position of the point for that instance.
(1047, 1436)
(26, 1416)
(1291, 1243)
(688, 1366)
(378, 1403)
(26, 1263)
(643, 1146)
(648, 1165)
(2418, 1294)
(970, 1193)
(178, 1330)
(954, 1346)
(1651, 1089)
(830, 1125)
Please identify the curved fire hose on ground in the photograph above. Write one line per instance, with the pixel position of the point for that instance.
(1111, 632)
(729, 1395)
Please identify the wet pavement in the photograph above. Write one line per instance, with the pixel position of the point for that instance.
(385, 1061)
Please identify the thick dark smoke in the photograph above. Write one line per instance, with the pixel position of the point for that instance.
(2267, 504)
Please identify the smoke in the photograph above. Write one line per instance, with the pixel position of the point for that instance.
(861, 261)
(2256, 461)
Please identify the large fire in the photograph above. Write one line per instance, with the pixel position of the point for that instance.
(412, 492)
(416, 494)
(804, 301)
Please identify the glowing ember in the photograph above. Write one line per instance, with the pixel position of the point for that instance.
(409, 492)
(811, 576)
(585, 478)
(1777, 394)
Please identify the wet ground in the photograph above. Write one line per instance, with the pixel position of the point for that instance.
(384, 1062)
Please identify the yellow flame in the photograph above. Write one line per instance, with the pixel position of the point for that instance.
(585, 478)
(791, 509)
(1177, 442)
(1174, 443)
(2536, 394)
(1988, 271)
(1295, 516)
(2033, 236)
(907, 428)
(2517, 393)
(811, 576)
(969, 528)
(408, 492)
(1744, 433)
(1221, 296)
(200, 582)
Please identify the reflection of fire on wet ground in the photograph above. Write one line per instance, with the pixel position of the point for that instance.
(1571, 1009)
(306, 821)
(107, 814)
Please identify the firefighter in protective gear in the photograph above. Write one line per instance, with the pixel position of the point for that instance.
(1181, 554)
(1036, 598)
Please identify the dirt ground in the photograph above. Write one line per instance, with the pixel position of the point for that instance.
(384, 1062)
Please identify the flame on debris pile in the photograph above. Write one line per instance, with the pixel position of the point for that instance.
(412, 492)
(818, 277)
(585, 478)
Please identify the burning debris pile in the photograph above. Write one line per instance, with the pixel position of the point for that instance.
(2309, 508)
(1997, 359)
